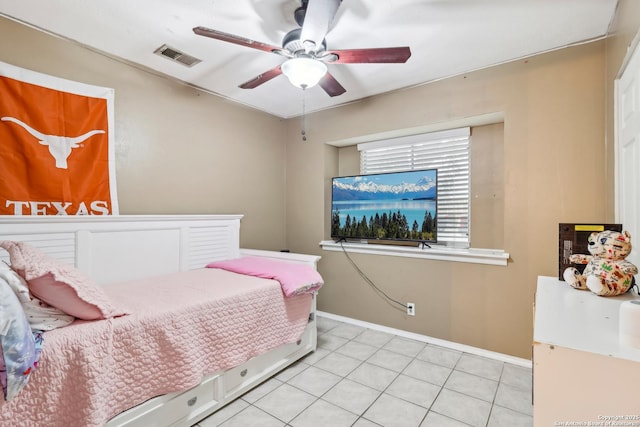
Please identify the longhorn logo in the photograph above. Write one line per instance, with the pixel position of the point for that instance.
(59, 146)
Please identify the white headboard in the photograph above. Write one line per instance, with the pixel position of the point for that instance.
(115, 248)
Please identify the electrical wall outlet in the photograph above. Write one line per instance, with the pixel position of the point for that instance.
(411, 309)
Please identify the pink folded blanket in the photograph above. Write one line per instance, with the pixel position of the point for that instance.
(295, 279)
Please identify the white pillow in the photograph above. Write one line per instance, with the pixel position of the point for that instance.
(43, 317)
(17, 283)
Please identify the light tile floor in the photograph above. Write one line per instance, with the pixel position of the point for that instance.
(362, 377)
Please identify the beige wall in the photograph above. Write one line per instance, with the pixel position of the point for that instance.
(487, 188)
(552, 147)
(177, 150)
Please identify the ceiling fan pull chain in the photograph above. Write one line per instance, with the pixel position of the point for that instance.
(304, 115)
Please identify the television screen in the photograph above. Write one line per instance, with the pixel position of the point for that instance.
(385, 206)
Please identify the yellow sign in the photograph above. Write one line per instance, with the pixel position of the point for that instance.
(582, 227)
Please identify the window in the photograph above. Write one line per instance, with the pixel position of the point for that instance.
(448, 151)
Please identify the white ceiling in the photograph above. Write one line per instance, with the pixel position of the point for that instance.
(446, 37)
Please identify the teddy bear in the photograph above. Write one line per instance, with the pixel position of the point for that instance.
(607, 273)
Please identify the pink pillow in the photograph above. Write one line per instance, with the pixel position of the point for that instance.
(60, 285)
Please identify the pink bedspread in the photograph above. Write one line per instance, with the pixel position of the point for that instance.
(295, 279)
(183, 327)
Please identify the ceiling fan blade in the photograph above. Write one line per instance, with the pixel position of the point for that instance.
(219, 35)
(262, 78)
(331, 85)
(317, 21)
(371, 56)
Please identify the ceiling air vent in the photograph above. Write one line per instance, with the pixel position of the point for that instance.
(176, 55)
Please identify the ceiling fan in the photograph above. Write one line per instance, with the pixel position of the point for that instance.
(306, 50)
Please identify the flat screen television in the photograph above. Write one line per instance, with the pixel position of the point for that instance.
(386, 206)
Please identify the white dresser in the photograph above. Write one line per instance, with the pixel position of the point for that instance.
(582, 375)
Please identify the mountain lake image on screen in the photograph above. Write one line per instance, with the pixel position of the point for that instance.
(385, 206)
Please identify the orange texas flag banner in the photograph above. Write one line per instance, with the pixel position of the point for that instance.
(56, 148)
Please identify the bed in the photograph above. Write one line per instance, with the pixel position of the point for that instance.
(118, 371)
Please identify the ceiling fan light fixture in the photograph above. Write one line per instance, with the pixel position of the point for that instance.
(304, 72)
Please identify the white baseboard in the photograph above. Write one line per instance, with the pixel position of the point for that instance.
(430, 340)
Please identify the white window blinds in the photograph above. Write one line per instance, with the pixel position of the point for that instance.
(447, 151)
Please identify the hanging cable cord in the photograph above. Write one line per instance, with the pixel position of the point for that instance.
(303, 124)
(366, 279)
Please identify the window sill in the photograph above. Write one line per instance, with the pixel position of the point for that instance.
(440, 253)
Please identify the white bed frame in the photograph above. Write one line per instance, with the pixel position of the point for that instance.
(110, 249)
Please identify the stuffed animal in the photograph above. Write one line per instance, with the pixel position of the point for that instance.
(607, 273)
